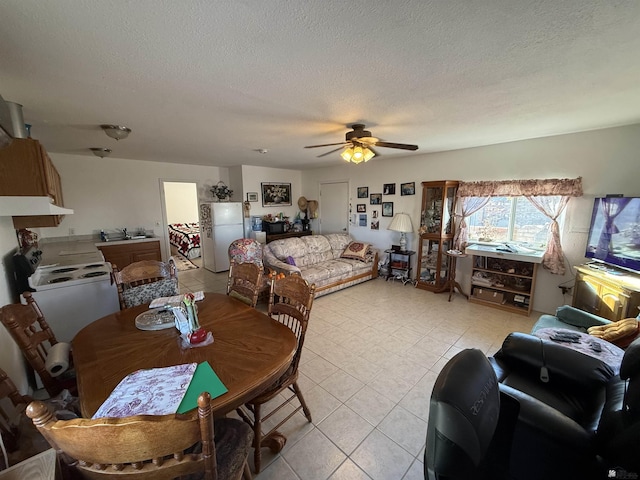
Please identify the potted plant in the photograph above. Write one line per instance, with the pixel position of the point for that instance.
(221, 192)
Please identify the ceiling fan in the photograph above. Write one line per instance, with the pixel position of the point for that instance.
(358, 145)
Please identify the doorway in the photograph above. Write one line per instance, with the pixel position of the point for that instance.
(180, 216)
(334, 207)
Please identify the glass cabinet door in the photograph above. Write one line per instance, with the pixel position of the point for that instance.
(434, 265)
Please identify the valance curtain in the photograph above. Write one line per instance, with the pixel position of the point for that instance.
(535, 191)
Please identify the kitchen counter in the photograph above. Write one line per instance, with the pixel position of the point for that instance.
(127, 242)
(79, 249)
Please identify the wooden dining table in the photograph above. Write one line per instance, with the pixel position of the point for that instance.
(249, 352)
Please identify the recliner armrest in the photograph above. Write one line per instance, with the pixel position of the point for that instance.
(567, 368)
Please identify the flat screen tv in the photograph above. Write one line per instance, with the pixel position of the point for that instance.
(614, 235)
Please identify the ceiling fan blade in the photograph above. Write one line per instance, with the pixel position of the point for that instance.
(402, 146)
(325, 145)
(330, 152)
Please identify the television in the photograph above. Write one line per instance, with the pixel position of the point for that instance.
(614, 234)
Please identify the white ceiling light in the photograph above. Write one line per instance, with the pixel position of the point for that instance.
(116, 131)
(101, 152)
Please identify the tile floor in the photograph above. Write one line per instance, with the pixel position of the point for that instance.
(371, 356)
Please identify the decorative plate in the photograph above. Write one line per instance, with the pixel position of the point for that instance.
(155, 319)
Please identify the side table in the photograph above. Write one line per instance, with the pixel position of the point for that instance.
(399, 265)
(451, 274)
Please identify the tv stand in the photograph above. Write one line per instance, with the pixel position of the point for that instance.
(607, 291)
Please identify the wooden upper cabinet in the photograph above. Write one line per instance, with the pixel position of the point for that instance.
(27, 170)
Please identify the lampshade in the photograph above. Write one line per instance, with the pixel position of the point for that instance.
(357, 154)
(101, 152)
(401, 223)
(116, 131)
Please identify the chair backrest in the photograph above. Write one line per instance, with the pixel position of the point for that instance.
(290, 303)
(244, 282)
(463, 416)
(246, 250)
(140, 282)
(34, 336)
(142, 446)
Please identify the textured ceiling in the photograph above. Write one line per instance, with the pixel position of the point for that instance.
(210, 82)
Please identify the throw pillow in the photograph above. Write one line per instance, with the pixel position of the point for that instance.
(620, 333)
(356, 251)
(291, 261)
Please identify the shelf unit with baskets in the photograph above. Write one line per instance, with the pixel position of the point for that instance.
(503, 280)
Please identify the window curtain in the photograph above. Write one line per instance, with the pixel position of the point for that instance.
(535, 191)
(552, 207)
(470, 205)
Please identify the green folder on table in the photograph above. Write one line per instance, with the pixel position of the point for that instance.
(204, 380)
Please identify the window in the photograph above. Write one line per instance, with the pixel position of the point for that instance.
(509, 219)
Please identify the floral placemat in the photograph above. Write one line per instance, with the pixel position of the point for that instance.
(157, 391)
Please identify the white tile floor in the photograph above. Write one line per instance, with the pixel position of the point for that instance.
(371, 356)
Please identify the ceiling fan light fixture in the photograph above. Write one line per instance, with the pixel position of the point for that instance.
(357, 154)
(116, 131)
(368, 154)
(101, 152)
(347, 154)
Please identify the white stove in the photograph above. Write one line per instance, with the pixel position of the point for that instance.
(57, 276)
(70, 295)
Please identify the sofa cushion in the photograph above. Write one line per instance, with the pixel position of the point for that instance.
(577, 317)
(356, 251)
(332, 269)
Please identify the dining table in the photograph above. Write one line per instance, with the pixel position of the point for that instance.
(250, 350)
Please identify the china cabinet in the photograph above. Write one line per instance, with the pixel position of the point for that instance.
(437, 228)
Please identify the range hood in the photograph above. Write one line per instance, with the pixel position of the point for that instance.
(22, 205)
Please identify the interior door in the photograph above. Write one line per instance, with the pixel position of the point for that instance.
(334, 207)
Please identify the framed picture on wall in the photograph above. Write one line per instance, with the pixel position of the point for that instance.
(276, 194)
(363, 192)
(361, 207)
(375, 198)
(389, 189)
(387, 209)
(252, 196)
(375, 225)
(408, 188)
(362, 220)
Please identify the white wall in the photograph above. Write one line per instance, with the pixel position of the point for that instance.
(252, 177)
(114, 193)
(182, 202)
(11, 360)
(606, 159)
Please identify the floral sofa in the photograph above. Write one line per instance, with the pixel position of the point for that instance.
(333, 262)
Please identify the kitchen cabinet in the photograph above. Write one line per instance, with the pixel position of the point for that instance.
(606, 291)
(127, 252)
(437, 229)
(27, 170)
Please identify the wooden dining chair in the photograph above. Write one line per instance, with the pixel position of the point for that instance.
(149, 447)
(143, 281)
(34, 336)
(244, 282)
(249, 250)
(9, 427)
(290, 303)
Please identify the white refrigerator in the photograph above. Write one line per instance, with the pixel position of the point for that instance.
(221, 224)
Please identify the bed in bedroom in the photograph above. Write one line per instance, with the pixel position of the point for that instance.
(186, 238)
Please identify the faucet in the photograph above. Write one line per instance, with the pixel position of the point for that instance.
(126, 235)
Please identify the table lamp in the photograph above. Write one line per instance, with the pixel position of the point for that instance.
(402, 223)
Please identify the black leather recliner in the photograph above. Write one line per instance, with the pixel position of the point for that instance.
(562, 414)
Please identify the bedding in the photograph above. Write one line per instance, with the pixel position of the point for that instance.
(186, 238)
